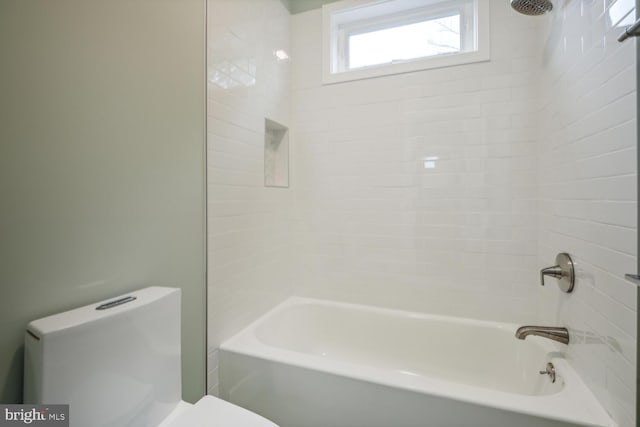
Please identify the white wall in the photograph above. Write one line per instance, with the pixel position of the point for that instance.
(249, 236)
(587, 192)
(537, 156)
(376, 227)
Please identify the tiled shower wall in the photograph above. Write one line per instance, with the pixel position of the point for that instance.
(249, 236)
(535, 155)
(375, 224)
(587, 192)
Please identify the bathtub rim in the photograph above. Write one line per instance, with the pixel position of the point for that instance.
(574, 403)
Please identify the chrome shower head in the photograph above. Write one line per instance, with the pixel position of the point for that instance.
(532, 7)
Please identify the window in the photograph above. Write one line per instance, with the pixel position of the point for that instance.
(365, 38)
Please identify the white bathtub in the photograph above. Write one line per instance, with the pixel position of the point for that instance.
(317, 363)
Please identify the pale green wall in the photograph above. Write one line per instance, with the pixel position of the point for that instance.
(299, 6)
(102, 131)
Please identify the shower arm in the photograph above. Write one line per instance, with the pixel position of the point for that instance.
(632, 31)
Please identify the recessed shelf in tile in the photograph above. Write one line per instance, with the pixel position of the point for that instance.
(276, 154)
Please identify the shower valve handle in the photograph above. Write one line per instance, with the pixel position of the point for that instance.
(563, 271)
(555, 272)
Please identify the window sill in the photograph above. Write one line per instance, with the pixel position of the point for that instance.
(406, 67)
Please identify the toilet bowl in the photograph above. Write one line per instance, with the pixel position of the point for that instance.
(213, 412)
(117, 363)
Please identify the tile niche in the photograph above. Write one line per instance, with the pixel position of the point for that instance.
(276, 154)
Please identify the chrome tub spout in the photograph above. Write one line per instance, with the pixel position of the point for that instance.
(551, 332)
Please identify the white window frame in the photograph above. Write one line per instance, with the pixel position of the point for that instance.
(335, 36)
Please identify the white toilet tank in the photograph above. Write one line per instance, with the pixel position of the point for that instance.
(116, 363)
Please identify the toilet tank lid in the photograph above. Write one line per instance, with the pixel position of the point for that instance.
(90, 313)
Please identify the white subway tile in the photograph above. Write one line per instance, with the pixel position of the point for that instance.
(249, 235)
(504, 163)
